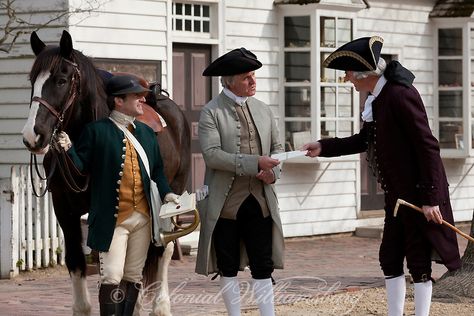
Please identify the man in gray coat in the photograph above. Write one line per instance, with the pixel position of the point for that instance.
(240, 222)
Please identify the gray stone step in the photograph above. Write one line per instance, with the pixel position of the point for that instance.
(369, 231)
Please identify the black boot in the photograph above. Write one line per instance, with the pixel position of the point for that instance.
(110, 298)
(131, 296)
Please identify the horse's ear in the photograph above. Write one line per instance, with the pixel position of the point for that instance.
(37, 45)
(65, 45)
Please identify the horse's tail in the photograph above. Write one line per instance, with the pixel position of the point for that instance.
(150, 271)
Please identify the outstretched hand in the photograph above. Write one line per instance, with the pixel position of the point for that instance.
(64, 141)
(267, 163)
(313, 149)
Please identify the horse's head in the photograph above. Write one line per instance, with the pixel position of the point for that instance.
(55, 80)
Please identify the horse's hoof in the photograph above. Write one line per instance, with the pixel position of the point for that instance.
(81, 311)
(162, 309)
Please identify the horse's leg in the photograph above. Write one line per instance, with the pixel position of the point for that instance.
(70, 223)
(162, 304)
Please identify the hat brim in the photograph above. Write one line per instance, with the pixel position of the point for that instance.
(139, 89)
(235, 62)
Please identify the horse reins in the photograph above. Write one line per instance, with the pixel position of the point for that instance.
(60, 156)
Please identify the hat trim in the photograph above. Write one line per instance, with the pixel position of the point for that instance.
(346, 53)
(372, 40)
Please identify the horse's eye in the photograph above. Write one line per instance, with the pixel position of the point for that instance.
(61, 82)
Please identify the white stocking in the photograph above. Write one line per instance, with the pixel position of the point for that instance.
(263, 295)
(231, 294)
(396, 288)
(423, 298)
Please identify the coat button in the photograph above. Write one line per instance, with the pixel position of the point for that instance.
(124, 140)
(115, 215)
(123, 156)
(122, 165)
(116, 207)
(119, 181)
(124, 148)
(118, 190)
(121, 173)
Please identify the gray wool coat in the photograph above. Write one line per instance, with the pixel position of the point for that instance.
(219, 136)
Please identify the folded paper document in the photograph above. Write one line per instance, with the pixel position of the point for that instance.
(187, 203)
(288, 155)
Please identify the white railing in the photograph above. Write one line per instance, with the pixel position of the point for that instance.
(30, 236)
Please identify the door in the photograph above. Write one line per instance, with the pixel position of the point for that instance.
(191, 91)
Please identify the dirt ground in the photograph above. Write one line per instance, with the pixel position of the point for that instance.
(363, 303)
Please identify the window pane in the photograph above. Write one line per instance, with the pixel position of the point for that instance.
(344, 31)
(328, 102)
(297, 134)
(197, 26)
(179, 24)
(450, 73)
(450, 135)
(328, 32)
(197, 10)
(205, 26)
(297, 67)
(179, 8)
(450, 42)
(450, 103)
(328, 129)
(187, 9)
(187, 25)
(205, 11)
(297, 102)
(297, 31)
(345, 104)
(345, 129)
(472, 42)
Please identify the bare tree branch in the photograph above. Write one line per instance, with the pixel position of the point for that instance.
(15, 25)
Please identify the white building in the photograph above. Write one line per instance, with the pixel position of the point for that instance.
(173, 41)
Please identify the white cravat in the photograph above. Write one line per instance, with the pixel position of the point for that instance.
(367, 112)
(239, 100)
(122, 119)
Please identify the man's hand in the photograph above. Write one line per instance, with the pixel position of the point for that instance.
(267, 163)
(432, 213)
(171, 197)
(313, 149)
(267, 176)
(64, 141)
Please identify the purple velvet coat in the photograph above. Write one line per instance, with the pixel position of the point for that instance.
(408, 160)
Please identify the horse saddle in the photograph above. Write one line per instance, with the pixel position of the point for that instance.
(151, 118)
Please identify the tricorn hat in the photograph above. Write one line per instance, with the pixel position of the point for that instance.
(123, 84)
(361, 54)
(237, 61)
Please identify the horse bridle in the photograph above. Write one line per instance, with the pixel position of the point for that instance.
(73, 93)
(60, 156)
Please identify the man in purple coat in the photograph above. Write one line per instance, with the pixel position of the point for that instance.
(404, 156)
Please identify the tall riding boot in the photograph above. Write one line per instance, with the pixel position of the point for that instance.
(230, 290)
(396, 289)
(131, 297)
(263, 295)
(109, 299)
(423, 298)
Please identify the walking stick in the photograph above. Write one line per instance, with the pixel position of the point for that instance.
(403, 202)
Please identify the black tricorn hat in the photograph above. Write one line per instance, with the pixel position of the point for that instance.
(237, 61)
(123, 84)
(361, 54)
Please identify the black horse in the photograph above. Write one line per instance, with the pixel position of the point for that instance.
(67, 93)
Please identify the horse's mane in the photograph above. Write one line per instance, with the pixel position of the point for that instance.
(92, 91)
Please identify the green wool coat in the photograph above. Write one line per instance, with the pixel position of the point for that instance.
(100, 152)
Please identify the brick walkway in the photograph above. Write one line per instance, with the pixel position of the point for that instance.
(315, 265)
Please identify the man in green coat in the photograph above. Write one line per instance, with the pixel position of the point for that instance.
(119, 217)
(240, 221)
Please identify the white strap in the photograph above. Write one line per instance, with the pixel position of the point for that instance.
(136, 144)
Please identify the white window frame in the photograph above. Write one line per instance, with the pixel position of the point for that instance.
(467, 90)
(315, 82)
